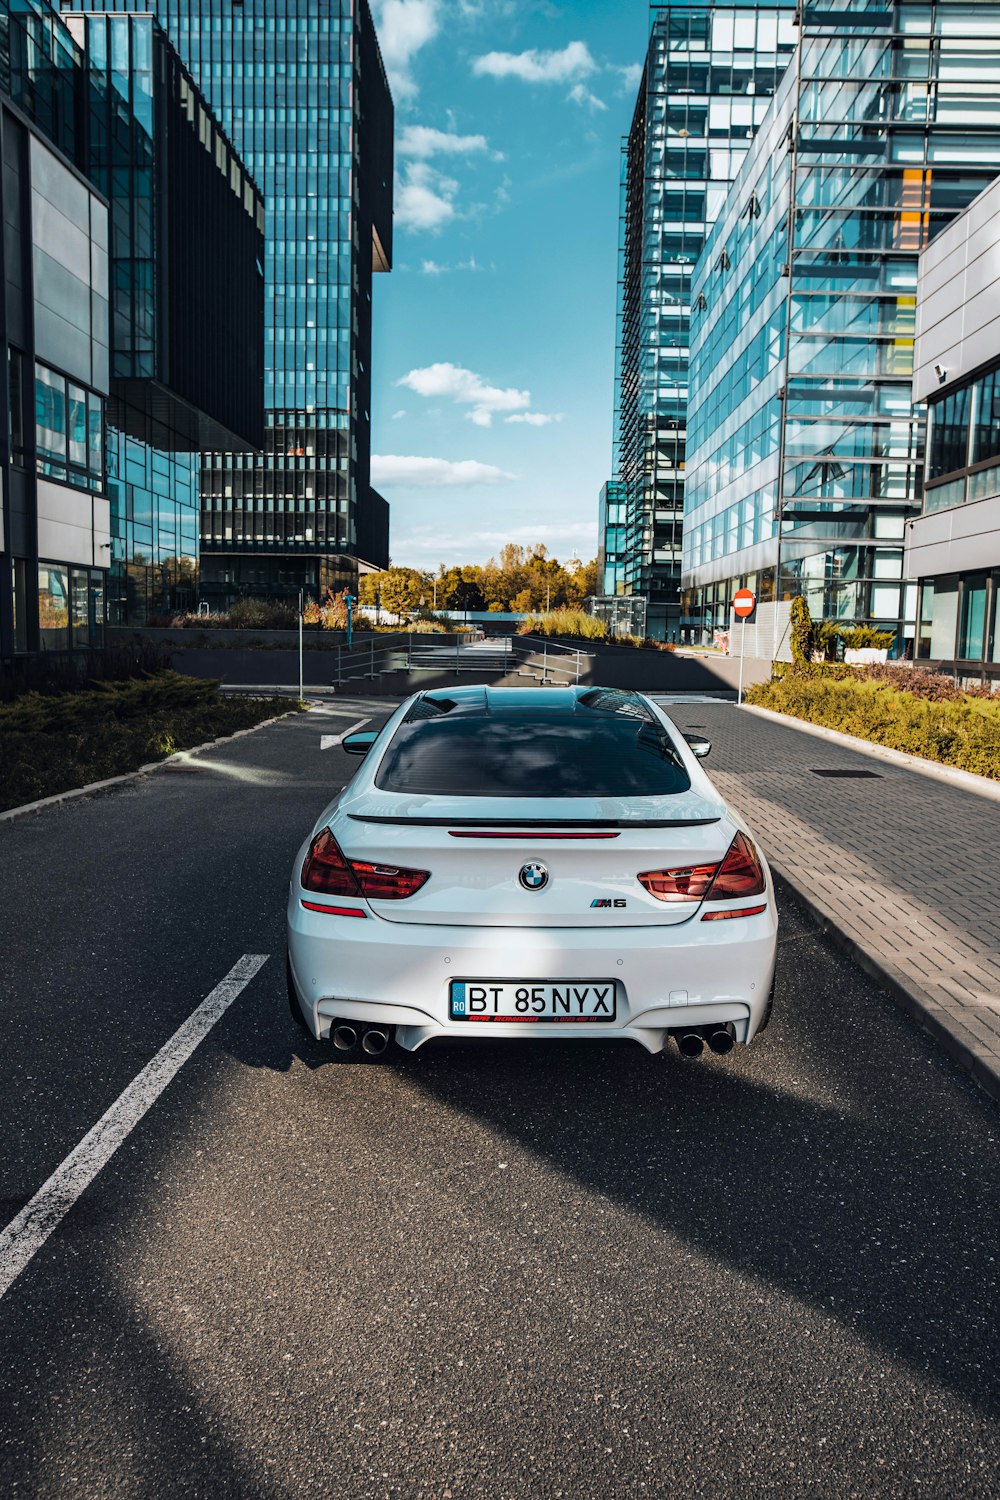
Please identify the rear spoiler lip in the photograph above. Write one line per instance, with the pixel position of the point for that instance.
(530, 825)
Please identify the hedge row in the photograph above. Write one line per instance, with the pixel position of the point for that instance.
(53, 744)
(961, 731)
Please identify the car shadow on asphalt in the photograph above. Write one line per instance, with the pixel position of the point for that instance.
(879, 1225)
(801, 1160)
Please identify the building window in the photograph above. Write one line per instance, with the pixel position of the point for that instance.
(69, 430)
(986, 432)
(53, 607)
(973, 619)
(949, 434)
(71, 605)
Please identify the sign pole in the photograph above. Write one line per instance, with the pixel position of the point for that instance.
(743, 652)
(301, 684)
(744, 604)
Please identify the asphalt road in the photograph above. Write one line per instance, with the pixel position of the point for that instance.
(476, 1271)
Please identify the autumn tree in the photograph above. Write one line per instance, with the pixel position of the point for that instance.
(518, 580)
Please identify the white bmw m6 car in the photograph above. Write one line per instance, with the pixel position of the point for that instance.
(530, 863)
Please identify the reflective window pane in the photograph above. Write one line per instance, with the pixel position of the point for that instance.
(53, 607)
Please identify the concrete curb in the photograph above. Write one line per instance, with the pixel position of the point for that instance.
(153, 765)
(983, 786)
(926, 1016)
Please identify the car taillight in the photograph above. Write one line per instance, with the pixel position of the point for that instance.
(328, 870)
(387, 882)
(325, 868)
(687, 884)
(739, 874)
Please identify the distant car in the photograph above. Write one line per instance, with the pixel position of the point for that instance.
(530, 863)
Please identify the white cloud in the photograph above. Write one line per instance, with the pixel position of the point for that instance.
(397, 414)
(630, 75)
(435, 268)
(535, 418)
(534, 66)
(466, 388)
(424, 197)
(433, 473)
(404, 27)
(423, 141)
(580, 94)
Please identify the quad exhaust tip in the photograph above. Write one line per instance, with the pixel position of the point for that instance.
(721, 1040)
(691, 1043)
(374, 1041)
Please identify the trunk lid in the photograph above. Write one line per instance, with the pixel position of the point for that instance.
(591, 851)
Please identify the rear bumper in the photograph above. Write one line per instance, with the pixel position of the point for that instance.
(693, 974)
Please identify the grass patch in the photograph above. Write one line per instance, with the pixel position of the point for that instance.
(955, 729)
(53, 743)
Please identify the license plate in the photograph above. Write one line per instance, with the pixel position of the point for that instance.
(520, 1000)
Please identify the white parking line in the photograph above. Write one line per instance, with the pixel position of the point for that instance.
(328, 741)
(27, 1233)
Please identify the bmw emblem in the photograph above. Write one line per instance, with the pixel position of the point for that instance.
(533, 877)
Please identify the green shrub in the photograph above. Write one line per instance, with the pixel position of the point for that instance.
(959, 729)
(826, 637)
(866, 637)
(801, 636)
(50, 744)
(260, 614)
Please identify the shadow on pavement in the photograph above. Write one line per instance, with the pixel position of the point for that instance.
(801, 1160)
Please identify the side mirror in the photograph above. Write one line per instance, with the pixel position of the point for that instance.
(360, 743)
(698, 745)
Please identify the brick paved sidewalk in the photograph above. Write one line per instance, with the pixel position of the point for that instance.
(902, 866)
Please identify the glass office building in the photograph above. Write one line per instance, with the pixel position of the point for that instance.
(709, 74)
(611, 538)
(805, 447)
(187, 362)
(300, 89)
(953, 546)
(112, 187)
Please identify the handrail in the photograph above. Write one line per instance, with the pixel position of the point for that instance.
(550, 662)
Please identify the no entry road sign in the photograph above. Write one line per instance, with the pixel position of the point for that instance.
(744, 603)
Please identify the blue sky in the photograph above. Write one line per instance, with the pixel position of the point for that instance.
(494, 334)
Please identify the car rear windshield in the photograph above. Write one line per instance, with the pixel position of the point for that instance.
(581, 754)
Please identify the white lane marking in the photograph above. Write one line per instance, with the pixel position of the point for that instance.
(328, 741)
(26, 1234)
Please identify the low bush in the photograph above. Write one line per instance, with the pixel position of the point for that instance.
(865, 637)
(50, 744)
(934, 686)
(894, 706)
(570, 622)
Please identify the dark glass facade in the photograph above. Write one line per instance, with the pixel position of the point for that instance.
(710, 71)
(131, 226)
(611, 539)
(187, 303)
(299, 87)
(805, 448)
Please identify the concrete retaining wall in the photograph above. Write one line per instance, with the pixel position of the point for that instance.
(611, 666)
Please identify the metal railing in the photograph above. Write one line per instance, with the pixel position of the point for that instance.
(543, 661)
